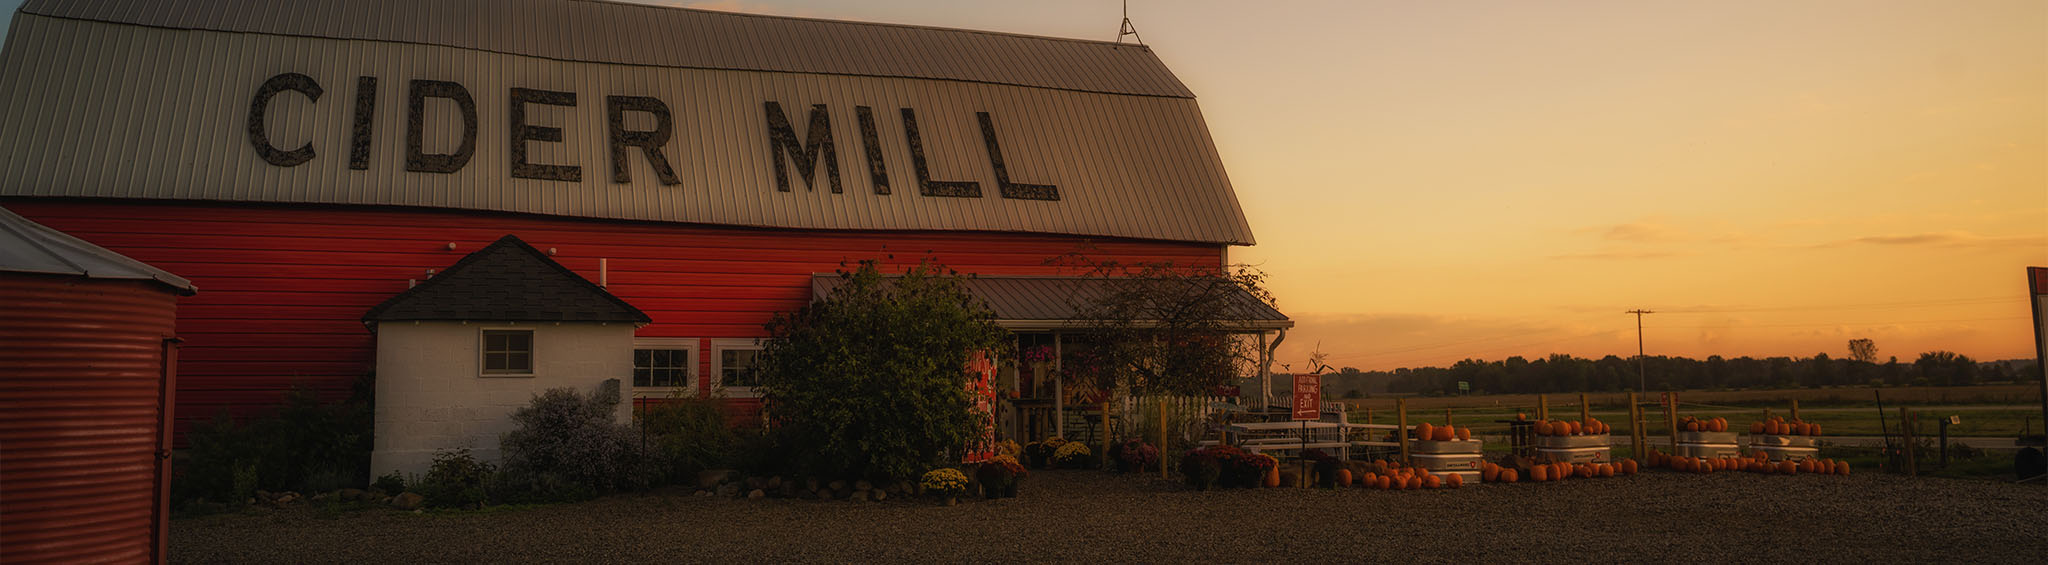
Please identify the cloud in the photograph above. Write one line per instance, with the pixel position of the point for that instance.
(1639, 231)
(1619, 255)
(1943, 239)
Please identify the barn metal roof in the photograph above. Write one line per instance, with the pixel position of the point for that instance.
(29, 247)
(153, 100)
(506, 281)
(639, 34)
(1034, 303)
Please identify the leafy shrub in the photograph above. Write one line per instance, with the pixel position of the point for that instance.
(391, 483)
(566, 446)
(455, 480)
(306, 446)
(687, 435)
(870, 382)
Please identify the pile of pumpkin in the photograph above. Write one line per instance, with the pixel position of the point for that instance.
(1759, 463)
(1590, 427)
(1393, 476)
(1779, 427)
(1556, 471)
(1692, 424)
(1425, 431)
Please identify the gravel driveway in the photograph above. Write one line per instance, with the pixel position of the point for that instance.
(1071, 516)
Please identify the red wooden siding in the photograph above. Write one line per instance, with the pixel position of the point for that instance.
(282, 287)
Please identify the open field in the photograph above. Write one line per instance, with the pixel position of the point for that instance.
(2015, 394)
(1986, 411)
(1066, 516)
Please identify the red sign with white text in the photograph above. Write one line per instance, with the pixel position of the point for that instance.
(1308, 397)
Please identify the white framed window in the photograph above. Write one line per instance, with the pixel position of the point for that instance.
(733, 365)
(664, 366)
(505, 352)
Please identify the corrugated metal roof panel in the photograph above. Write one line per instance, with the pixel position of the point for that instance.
(29, 247)
(1057, 299)
(108, 110)
(636, 34)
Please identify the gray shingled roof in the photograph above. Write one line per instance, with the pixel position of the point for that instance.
(29, 247)
(1041, 302)
(507, 281)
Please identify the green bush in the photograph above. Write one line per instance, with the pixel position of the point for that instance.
(870, 382)
(687, 435)
(306, 446)
(456, 480)
(391, 483)
(567, 446)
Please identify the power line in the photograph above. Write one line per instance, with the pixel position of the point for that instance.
(1870, 306)
(1825, 324)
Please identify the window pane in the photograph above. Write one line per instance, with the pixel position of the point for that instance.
(494, 341)
(519, 361)
(494, 362)
(520, 341)
(640, 357)
(640, 377)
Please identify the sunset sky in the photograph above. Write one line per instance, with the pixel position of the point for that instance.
(1431, 181)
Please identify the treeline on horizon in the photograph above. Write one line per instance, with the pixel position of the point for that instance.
(1566, 373)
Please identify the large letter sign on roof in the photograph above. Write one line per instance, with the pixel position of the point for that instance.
(196, 100)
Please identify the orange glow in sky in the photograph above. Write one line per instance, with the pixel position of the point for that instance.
(1431, 181)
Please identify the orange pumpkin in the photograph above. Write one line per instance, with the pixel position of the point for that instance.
(1720, 424)
(1273, 477)
(1425, 431)
(1628, 466)
(1813, 429)
(1706, 469)
(1508, 475)
(1756, 427)
(1578, 428)
(1386, 482)
(1432, 482)
(1454, 480)
(1521, 416)
(1590, 471)
(1543, 428)
(1489, 472)
(1343, 477)
(1692, 426)
(1540, 473)
(1842, 468)
(1464, 434)
(1446, 434)
(1414, 483)
(1369, 480)
(1788, 468)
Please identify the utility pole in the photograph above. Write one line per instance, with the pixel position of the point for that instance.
(1642, 379)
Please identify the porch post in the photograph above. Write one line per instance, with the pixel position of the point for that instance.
(1059, 395)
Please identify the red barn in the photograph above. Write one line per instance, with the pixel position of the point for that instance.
(305, 161)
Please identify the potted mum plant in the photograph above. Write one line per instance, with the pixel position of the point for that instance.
(999, 476)
(946, 483)
(1200, 468)
(1073, 455)
(1135, 456)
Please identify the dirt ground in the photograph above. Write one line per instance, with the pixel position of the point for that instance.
(1070, 516)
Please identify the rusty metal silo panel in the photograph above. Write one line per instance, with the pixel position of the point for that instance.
(81, 417)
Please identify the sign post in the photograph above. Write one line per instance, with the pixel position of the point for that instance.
(1308, 405)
